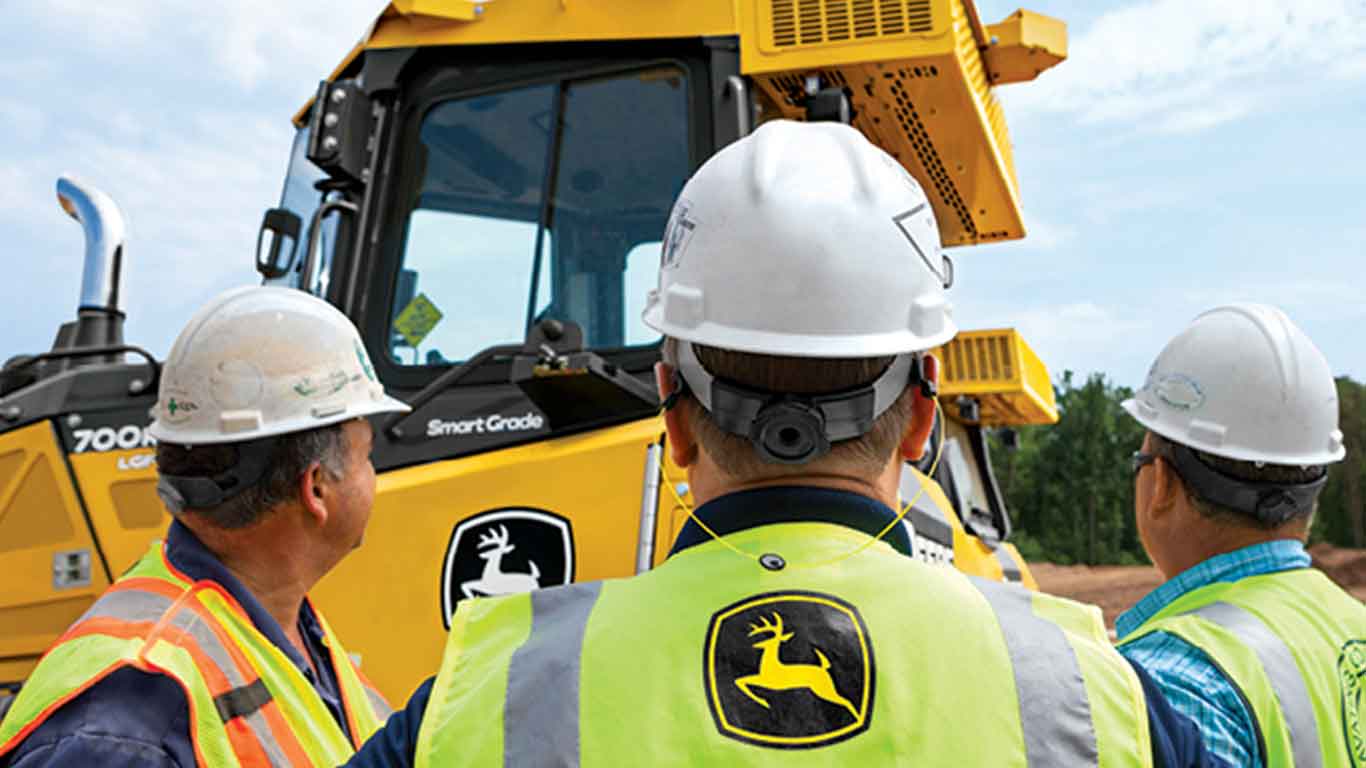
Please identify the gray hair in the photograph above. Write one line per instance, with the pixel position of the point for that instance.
(291, 457)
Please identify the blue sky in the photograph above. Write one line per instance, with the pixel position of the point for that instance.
(1189, 153)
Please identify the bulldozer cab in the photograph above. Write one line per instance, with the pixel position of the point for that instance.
(482, 188)
(491, 215)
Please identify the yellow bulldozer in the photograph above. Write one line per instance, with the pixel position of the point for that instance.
(482, 187)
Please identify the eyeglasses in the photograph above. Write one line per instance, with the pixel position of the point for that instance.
(1140, 460)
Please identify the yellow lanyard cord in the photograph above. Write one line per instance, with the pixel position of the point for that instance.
(938, 452)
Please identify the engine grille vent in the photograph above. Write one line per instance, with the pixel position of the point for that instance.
(978, 360)
(814, 22)
(998, 370)
(924, 148)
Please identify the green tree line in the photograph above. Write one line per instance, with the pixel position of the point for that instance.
(1069, 486)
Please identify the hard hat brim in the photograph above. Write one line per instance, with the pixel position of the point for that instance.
(170, 434)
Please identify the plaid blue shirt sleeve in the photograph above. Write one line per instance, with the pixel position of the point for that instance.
(1197, 689)
(1190, 680)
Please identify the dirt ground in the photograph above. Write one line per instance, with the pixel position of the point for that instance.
(1116, 588)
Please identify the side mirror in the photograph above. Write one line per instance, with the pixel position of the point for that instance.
(276, 242)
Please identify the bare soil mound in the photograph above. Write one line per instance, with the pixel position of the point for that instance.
(1115, 588)
(1345, 566)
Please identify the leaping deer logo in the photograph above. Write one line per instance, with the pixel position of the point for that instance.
(494, 580)
(777, 675)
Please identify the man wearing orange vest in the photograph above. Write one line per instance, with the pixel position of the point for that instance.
(207, 651)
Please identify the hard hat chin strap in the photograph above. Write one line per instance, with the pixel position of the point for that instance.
(1271, 503)
(795, 429)
(181, 492)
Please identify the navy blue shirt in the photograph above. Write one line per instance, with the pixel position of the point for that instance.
(134, 718)
(1176, 740)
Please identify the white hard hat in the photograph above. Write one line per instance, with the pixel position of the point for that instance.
(1244, 383)
(803, 239)
(261, 361)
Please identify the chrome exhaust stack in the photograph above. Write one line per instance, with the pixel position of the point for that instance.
(105, 234)
(96, 335)
(99, 321)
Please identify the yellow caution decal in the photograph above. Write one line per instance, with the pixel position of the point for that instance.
(417, 319)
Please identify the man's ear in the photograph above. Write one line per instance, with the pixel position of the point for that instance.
(315, 490)
(1167, 489)
(682, 442)
(922, 415)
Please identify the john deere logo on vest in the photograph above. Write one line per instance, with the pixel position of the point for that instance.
(790, 670)
(1352, 675)
(505, 551)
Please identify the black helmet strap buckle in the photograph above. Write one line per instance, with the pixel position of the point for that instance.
(795, 429)
(180, 492)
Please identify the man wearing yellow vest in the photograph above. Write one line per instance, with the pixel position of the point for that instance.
(207, 651)
(1265, 653)
(801, 283)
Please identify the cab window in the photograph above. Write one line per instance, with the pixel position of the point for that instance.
(543, 201)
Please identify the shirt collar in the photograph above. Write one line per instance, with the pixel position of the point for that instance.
(189, 555)
(1268, 557)
(743, 510)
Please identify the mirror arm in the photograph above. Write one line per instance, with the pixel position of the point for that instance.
(311, 254)
(738, 91)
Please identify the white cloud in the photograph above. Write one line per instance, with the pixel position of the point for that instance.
(1322, 297)
(18, 201)
(23, 122)
(241, 43)
(1046, 235)
(1081, 336)
(1180, 66)
(180, 111)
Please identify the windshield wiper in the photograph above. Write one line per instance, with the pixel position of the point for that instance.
(445, 381)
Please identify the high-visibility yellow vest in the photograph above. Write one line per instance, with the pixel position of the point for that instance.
(715, 659)
(1294, 645)
(249, 704)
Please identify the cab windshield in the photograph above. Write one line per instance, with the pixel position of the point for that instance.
(541, 201)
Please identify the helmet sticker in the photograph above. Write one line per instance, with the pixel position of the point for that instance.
(1177, 390)
(331, 384)
(178, 407)
(677, 234)
(791, 670)
(917, 225)
(364, 361)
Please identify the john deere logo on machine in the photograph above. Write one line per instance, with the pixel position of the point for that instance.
(1352, 676)
(789, 669)
(505, 551)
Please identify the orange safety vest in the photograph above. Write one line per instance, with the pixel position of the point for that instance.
(249, 704)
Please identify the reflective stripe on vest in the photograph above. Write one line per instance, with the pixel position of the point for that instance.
(147, 630)
(625, 670)
(541, 716)
(248, 701)
(366, 710)
(1279, 664)
(1054, 707)
(1278, 639)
